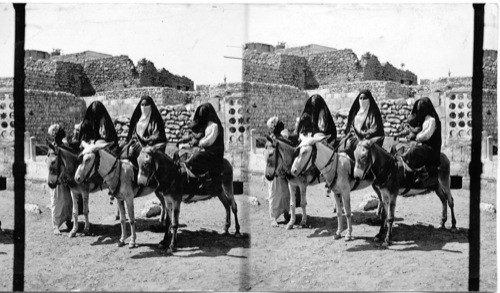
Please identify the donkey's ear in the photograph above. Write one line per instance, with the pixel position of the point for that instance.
(375, 139)
(159, 146)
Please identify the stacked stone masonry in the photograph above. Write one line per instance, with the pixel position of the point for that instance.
(53, 76)
(274, 68)
(320, 65)
(44, 108)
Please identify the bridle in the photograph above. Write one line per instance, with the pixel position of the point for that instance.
(94, 168)
(152, 170)
(310, 161)
(369, 167)
(62, 177)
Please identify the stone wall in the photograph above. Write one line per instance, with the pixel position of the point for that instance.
(267, 100)
(44, 108)
(53, 76)
(333, 67)
(490, 114)
(105, 74)
(274, 68)
(316, 66)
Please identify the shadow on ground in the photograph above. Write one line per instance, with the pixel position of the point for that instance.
(206, 243)
(416, 237)
(327, 226)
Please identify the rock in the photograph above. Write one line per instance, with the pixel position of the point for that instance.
(369, 202)
(151, 211)
(487, 207)
(253, 200)
(32, 208)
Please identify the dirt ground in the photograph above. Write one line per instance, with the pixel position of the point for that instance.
(422, 258)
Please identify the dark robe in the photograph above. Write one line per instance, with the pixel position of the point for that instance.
(371, 127)
(211, 157)
(91, 124)
(428, 152)
(317, 109)
(154, 132)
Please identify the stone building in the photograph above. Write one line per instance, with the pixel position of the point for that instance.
(311, 66)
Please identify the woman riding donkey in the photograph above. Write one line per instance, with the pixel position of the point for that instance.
(146, 128)
(208, 137)
(424, 156)
(364, 121)
(315, 118)
(97, 125)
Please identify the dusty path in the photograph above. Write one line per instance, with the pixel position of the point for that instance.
(423, 258)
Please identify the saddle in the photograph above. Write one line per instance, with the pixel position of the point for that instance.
(197, 183)
(423, 178)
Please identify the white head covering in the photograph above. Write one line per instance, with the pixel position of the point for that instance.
(359, 119)
(143, 122)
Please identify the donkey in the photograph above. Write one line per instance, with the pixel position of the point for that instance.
(392, 178)
(280, 155)
(336, 169)
(62, 163)
(119, 177)
(176, 187)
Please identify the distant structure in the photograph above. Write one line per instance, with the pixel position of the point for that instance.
(312, 66)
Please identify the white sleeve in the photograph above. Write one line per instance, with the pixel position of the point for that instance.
(428, 128)
(211, 133)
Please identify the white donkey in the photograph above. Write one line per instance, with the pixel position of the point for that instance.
(119, 177)
(336, 169)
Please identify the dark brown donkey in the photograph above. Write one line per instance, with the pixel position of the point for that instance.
(392, 178)
(177, 187)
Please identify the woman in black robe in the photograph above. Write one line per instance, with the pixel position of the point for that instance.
(316, 117)
(97, 125)
(424, 156)
(207, 126)
(146, 128)
(364, 120)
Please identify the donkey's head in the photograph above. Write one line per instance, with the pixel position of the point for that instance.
(147, 163)
(306, 151)
(54, 165)
(88, 160)
(363, 156)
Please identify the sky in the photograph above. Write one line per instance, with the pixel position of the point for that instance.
(193, 39)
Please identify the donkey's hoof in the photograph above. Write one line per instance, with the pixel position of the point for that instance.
(161, 245)
(238, 235)
(72, 234)
(377, 239)
(225, 232)
(303, 225)
(132, 245)
(337, 236)
(348, 238)
(289, 227)
(57, 232)
(454, 230)
(121, 243)
(172, 249)
(386, 244)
